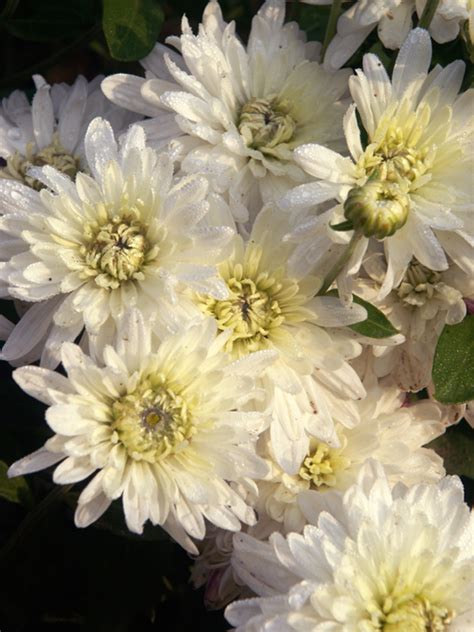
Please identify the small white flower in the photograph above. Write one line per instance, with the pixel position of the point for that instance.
(270, 306)
(372, 559)
(51, 130)
(83, 252)
(213, 568)
(240, 111)
(393, 20)
(162, 429)
(422, 304)
(419, 159)
(387, 431)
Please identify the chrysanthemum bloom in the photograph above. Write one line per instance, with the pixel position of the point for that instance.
(162, 429)
(387, 431)
(412, 183)
(213, 568)
(393, 20)
(310, 385)
(51, 130)
(419, 307)
(85, 251)
(373, 559)
(241, 111)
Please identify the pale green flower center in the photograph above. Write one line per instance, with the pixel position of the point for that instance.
(266, 123)
(419, 284)
(153, 421)
(411, 613)
(321, 466)
(254, 309)
(396, 158)
(54, 155)
(117, 250)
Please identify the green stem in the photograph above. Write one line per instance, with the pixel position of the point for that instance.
(340, 263)
(331, 26)
(428, 13)
(32, 519)
(49, 61)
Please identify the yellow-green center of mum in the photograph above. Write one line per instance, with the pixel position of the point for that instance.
(266, 123)
(54, 155)
(153, 421)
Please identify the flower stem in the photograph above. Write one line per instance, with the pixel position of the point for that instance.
(32, 519)
(428, 13)
(340, 263)
(331, 26)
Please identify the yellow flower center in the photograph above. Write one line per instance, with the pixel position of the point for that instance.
(153, 421)
(54, 155)
(266, 123)
(322, 464)
(419, 284)
(411, 613)
(395, 158)
(117, 250)
(258, 304)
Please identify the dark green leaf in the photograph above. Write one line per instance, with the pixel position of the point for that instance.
(457, 450)
(453, 365)
(15, 490)
(376, 325)
(343, 226)
(131, 27)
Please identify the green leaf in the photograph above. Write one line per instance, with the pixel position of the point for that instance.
(131, 27)
(453, 364)
(376, 325)
(343, 226)
(456, 447)
(16, 489)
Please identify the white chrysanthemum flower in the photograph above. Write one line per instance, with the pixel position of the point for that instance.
(160, 428)
(393, 20)
(419, 307)
(85, 251)
(213, 568)
(387, 431)
(311, 385)
(240, 111)
(412, 183)
(51, 130)
(372, 559)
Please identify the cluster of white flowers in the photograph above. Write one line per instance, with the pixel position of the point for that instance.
(199, 250)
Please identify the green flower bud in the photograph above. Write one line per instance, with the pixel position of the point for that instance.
(377, 208)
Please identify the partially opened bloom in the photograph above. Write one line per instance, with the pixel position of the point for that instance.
(393, 20)
(52, 129)
(240, 111)
(388, 431)
(159, 427)
(372, 559)
(419, 307)
(85, 251)
(411, 185)
(310, 385)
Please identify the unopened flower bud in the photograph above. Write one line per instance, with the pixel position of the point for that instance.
(377, 208)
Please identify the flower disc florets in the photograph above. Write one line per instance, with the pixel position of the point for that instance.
(259, 303)
(153, 420)
(419, 284)
(54, 155)
(116, 251)
(377, 208)
(266, 123)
